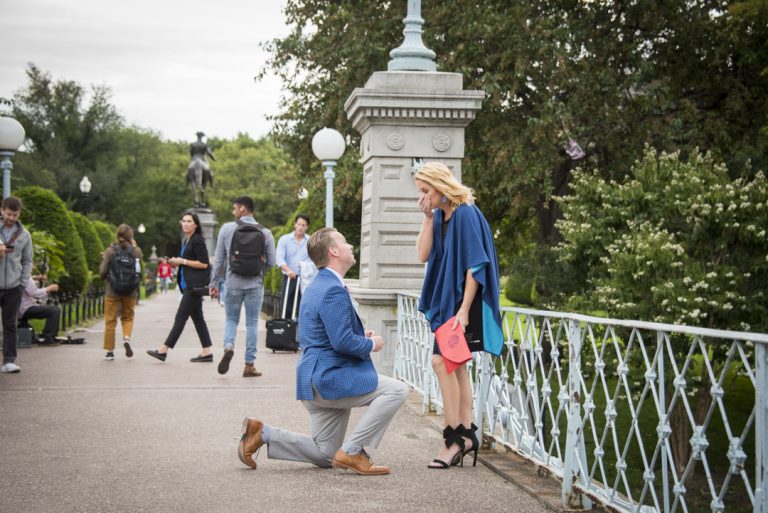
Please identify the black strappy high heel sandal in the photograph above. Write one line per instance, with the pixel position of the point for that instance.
(450, 436)
(470, 434)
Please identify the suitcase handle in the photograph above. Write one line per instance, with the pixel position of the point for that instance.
(295, 296)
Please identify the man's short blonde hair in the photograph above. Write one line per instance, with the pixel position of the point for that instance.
(319, 244)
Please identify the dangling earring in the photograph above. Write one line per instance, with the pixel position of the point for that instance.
(443, 200)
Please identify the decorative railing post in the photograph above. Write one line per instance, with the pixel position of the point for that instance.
(761, 429)
(575, 451)
(483, 375)
(663, 430)
(77, 308)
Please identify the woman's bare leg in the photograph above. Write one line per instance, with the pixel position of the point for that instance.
(449, 388)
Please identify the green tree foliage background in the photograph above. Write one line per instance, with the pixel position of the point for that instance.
(137, 177)
(677, 241)
(614, 76)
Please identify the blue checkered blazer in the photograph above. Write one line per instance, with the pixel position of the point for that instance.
(335, 356)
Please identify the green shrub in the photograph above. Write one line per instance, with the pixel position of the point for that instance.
(518, 289)
(106, 233)
(43, 210)
(91, 241)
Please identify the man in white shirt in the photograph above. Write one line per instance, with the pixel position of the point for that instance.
(291, 253)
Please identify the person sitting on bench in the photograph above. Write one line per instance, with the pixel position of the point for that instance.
(33, 307)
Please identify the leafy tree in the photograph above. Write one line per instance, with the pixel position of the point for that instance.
(677, 241)
(613, 75)
(44, 211)
(71, 132)
(257, 169)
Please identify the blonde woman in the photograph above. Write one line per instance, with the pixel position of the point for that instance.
(462, 280)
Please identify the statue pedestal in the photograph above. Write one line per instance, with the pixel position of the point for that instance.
(208, 224)
(402, 117)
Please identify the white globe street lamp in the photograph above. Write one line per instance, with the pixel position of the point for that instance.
(85, 188)
(85, 185)
(141, 228)
(328, 146)
(11, 137)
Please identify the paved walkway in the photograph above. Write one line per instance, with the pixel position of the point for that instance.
(81, 434)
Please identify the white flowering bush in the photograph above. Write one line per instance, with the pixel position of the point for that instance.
(677, 242)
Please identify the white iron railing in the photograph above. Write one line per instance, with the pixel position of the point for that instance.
(635, 415)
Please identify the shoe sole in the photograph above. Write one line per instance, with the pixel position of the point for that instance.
(241, 446)
(128, 350)
(348, 468)
(225, 360)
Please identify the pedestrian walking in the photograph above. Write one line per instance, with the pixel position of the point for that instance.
(192, 278)
(121, 270)
(244, 250)
(15, 270)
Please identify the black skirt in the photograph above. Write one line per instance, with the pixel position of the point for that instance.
(474, 330)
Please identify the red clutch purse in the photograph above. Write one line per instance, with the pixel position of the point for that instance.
(453, 346)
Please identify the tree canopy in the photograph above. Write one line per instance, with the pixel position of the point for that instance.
(614, 76)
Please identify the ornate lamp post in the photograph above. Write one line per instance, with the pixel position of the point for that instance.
(328, 146)
(412, 55)
(11, 137)
(85, 188)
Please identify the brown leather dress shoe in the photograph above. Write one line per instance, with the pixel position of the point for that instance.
(250, 371)
(250, 441)
(358, 463)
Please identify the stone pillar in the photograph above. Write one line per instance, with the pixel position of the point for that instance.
(208, 224)
(403, 117)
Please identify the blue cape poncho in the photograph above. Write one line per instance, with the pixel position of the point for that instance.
(468, 245)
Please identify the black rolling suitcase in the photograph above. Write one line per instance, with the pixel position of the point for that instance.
(282, 333)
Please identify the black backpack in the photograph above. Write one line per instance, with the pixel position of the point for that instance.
(246, 252)
(123, 277)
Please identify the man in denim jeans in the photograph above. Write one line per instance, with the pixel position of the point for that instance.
(240, 290)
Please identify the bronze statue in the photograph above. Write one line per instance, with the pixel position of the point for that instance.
(199, 172)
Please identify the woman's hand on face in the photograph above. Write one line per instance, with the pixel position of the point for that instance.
(425, 205)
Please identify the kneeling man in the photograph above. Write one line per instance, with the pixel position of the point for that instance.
(334, 374)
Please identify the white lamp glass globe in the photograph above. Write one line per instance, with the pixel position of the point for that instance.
(328, 144)
(11, 134)
(85, 185)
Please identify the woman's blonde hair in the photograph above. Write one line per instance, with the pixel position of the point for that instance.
(440, 177)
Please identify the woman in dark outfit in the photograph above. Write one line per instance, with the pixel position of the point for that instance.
(193, 277)
(462, 280)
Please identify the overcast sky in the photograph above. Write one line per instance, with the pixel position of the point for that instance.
(174, 66)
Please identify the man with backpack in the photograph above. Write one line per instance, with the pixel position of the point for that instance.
(244, 251)
(121, 270)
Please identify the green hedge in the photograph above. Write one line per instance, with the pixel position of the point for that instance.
(106, 233)
(44, 210)
(91, 241)
(518, 289)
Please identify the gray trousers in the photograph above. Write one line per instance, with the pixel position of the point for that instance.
(328, 423)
